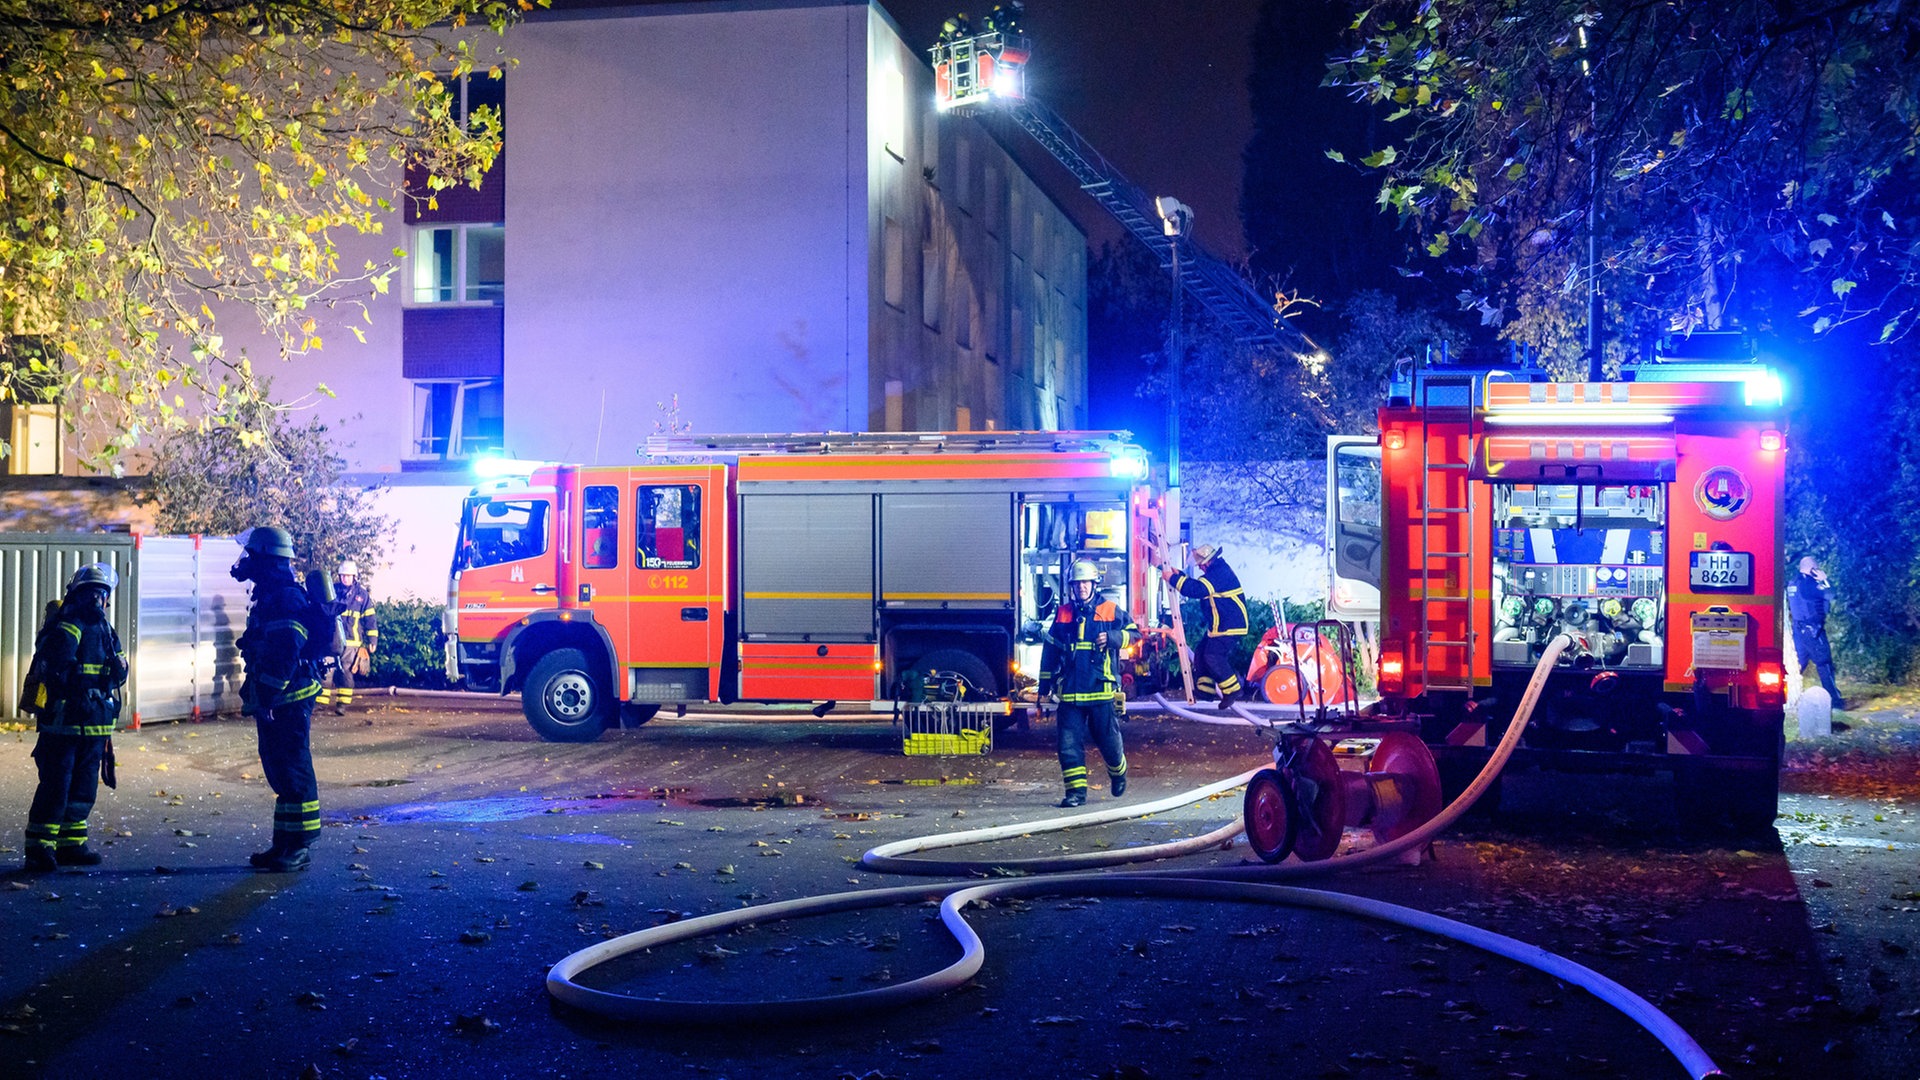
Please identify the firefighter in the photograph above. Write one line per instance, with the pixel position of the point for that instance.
(279, 693)
(73, 692)
(1216, 583)
(1809, 595)
(1084, 643)
(359, 637)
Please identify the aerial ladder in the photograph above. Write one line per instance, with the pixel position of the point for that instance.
(981, 69)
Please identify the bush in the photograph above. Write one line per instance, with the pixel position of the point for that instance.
(1260, 613)
(412, 647)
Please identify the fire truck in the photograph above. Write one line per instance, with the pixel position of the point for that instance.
(1642, 518)
(790, 569)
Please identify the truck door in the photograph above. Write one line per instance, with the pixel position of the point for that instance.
(1353, 527)
(506, 562)
(675, 552)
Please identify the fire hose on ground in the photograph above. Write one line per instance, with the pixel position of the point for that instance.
(1248, 883)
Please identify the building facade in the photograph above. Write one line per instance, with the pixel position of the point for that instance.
(725, 216)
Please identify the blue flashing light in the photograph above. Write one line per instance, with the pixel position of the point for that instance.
(1128, 465)
(499, 466)
(1764, 387)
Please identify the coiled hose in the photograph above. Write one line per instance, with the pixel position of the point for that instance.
(1249, 884)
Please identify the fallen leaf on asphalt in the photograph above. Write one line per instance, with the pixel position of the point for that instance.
(312, 1000)
(583, 898)
(475, 1025)
(18, 886)
(168, 911)
(1056, 1021)
(591, 865)
(716, 828)
(665, 821)
(528, 886)
(232, 939)
(716, 954)
(346, 1049)
(683, 866)
(475, 937)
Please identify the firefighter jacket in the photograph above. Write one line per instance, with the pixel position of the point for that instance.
(83, 669)
(1220, 588)
(1807, 599)
(272, 646)
(354, 609)
(1080, 670)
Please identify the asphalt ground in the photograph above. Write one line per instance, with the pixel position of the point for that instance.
(462, 857)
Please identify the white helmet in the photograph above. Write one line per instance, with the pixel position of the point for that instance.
(349, 568)
(1085, 571)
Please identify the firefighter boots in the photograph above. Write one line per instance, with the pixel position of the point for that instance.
(1076, 797)
(1120, 785)
(260, 860)
(40, 859)
(76, 856)
(288, 862)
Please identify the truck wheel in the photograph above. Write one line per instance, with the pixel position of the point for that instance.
(562, 699)
(963, 663)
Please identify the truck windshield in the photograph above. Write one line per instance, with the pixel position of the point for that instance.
(497, 530)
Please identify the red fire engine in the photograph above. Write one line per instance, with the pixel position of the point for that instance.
(1642, 518)
(803, 568)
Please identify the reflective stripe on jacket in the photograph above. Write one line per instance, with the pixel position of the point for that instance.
(354, 610)
(85, 670)
(1082, 670)
(1220, 588)
(272, 643)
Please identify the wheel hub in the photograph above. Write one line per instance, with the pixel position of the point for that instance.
(570, 696)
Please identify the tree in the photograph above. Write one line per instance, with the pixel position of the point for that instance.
(159, 161)
(259, 467)
(1742, 163)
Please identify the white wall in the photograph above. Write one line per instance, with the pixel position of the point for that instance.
(1270, 518)
(427, 520)
(681, 220)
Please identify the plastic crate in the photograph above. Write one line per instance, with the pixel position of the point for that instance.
(949, 727)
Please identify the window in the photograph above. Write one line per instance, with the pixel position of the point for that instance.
(933, 283)
(667, 527)
(459, 264)
(33, 440)
(600, 527)
(893, 255)
(503, 530)
(457, 418)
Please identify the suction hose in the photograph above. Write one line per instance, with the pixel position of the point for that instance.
(1245, 884)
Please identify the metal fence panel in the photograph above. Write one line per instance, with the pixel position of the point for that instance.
(34, 568)
(178, 611)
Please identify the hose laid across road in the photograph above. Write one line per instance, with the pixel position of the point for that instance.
(1250, 884)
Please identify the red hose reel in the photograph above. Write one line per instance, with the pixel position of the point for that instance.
(1305, 802)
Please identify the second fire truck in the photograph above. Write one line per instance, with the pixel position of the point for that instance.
(801, 569)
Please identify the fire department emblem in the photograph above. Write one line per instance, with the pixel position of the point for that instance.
(1722, 493)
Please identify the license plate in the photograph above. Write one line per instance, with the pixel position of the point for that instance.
(1721, 571)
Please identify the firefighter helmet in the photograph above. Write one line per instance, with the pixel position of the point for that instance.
(1085, 571)
(349, 569)
(1206, 553)
(97, 575)
(270, 540)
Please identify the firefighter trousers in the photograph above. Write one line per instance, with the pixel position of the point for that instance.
(340, 693)
(69, 782)
(1077, 722)
(1216, 677)
(286, 756)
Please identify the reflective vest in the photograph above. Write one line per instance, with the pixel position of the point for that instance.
(1081, 670)
(1220, 588)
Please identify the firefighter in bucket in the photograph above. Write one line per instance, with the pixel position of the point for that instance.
(1084, 646)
